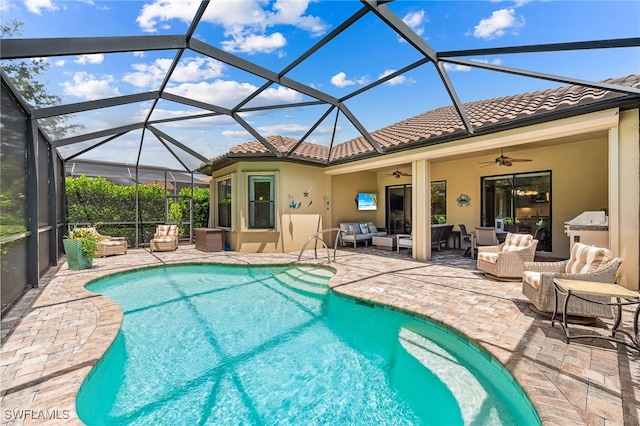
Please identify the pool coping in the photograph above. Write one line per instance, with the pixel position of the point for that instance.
(35, 379)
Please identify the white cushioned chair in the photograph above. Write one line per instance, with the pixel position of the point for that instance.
(165, 238)
(108, 245)
(506, 260)
(404, 241)
(586, 263)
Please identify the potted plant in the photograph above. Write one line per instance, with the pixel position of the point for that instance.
(80, 247)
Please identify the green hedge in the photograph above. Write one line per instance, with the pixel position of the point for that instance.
(96, 201)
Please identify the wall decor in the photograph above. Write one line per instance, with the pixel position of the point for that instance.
(463, 200)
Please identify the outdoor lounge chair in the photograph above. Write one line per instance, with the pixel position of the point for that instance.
(506, 261)
(586, 263)
(108, 245)
(165, 238)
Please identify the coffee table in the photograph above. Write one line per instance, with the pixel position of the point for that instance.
(579, 289)
(384, 242)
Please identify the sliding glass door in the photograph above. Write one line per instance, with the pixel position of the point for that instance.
(522, 201)
(398, 209)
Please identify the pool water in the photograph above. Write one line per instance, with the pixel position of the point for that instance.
(253, 345)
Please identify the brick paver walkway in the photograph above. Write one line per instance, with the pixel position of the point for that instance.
(51, 341)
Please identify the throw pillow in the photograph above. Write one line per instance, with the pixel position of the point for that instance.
(364, 228)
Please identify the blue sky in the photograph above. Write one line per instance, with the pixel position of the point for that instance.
(273, 34)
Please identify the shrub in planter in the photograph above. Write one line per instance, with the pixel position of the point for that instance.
(80, 247)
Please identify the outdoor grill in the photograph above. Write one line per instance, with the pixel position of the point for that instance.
(589, 227)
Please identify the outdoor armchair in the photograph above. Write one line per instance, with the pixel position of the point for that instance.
(404, 241)
(108, 245)
(483, 236)
(165, 238)
(506, 261)
(586, 263)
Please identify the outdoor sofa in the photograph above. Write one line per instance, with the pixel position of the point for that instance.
(355, 232)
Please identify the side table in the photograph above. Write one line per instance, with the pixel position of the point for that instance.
(579, 289)
(384, 242)
(209, 239)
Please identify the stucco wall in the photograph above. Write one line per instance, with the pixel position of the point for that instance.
(294, 225)
(345, 188)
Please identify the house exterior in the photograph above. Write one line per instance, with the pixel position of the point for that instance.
(583, 143)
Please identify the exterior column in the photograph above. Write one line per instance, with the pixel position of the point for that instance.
(421, 209)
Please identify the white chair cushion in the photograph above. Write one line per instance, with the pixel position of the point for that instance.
(488, 257)
(405, 242)
(585, 259)
(164, 239)
(516, 242)
(109, 243)
(532, 278)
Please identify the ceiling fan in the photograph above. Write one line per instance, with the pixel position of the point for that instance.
(397, 173)
(504, 161)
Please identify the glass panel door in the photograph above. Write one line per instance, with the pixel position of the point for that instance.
(398, 209)
(522, 201)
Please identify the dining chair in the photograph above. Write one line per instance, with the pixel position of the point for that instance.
(483, 236)
(465, 237)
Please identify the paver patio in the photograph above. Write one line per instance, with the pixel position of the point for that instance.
(62, 330)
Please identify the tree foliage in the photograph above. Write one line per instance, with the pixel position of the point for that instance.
(24, 75)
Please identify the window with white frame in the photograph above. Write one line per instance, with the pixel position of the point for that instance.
(261, 201)
(223, 203)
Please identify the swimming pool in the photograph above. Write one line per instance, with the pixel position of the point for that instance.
(225, 344)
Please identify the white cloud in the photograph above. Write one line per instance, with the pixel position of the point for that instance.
(497, 25)
(341, 80)
(486, 61)
(395, 80)
(456, 67)
(246, 23)
(36, 6)
(88, 86)
(228, 93)
(277, 95)
(188, 70)
(465, 68)
(200, 123)
(90, 59)
(5, 5)
(415, 20)
(255, 43)
(237, 134)
(293, 130)
(59, 63)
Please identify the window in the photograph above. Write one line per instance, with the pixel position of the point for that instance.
(261, 202)
(439, 202)
(223, 203)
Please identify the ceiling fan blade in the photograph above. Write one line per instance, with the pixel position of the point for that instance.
(519, 160)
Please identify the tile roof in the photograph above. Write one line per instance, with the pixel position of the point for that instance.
(441, 123)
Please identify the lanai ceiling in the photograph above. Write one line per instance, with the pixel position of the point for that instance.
(264, 92)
